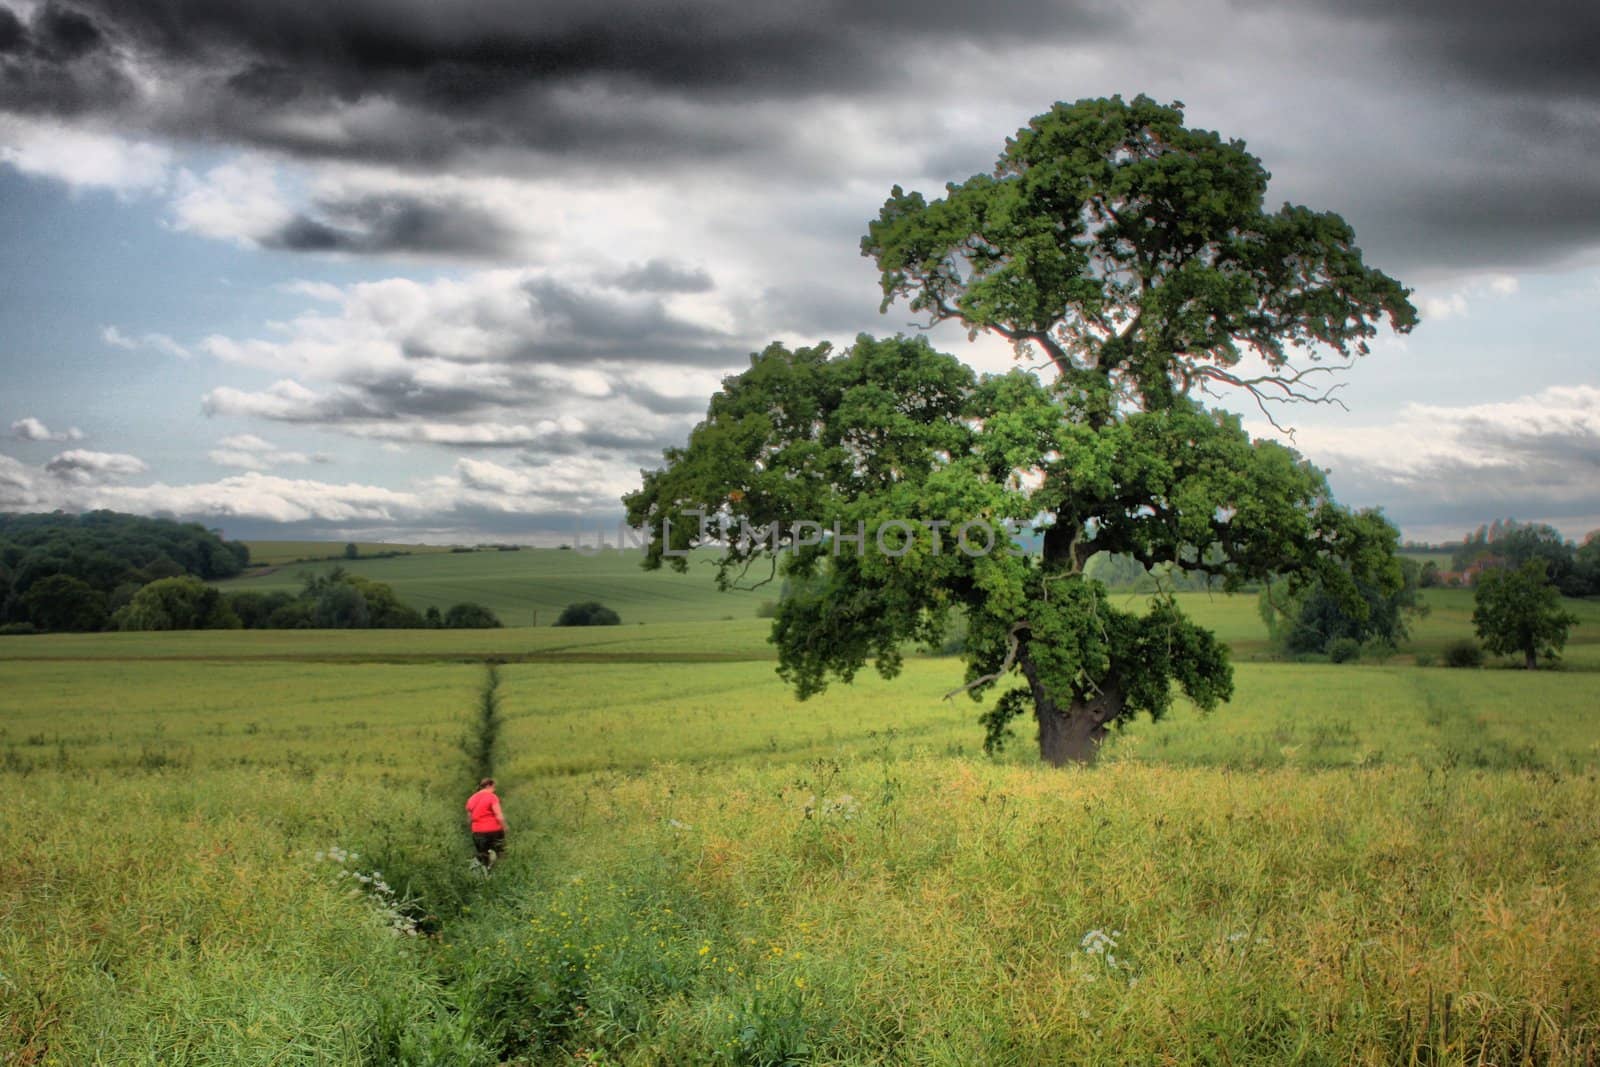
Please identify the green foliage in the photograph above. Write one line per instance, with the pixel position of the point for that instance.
(1518, 611)
(1573, 570)
(1135, 255)
(184, 603)
(1463, 652)
(470, 616)
(1377, 595)
(108, 553)
(341, 607)
(255, 610)
(62, 602)
(588, 613)
(1344, 650)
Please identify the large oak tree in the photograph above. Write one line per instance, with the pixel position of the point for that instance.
(1129, 258)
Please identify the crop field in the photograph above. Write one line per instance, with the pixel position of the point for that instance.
(530, 587)
(277, 553)
(246, 848)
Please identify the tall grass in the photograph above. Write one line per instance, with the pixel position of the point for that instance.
(951, 911)
(155, 918)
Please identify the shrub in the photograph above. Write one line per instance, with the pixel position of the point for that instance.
(17, 628)
(1344, 650)
(767, 609)
(470, 616)
(1424, 659)
(1463, 653)
(588, 613)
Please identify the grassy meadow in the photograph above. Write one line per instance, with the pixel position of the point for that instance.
(246, 848)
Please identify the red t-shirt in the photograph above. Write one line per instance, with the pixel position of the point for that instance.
(480, 806)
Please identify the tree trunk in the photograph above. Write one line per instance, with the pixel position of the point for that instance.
(1071, 734)
(1530, 658)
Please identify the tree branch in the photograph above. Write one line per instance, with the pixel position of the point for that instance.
(1012, 643)
(1288, 387)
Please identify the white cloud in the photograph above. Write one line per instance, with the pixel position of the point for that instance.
(492, 358)
(83, 158)
(31, 429)
(237, 201)
(85, 467)
(1456, 302)
(1451, 306)
(325, 291)
(15, 477)
(159, 342)
(524, 497)
(252, 453)
(1535, 455)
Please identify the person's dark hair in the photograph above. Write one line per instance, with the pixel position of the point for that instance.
(486, 783)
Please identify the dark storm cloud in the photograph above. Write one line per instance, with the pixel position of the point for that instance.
(13, 35)
(501, 71)
(1489, 218)
(582, 326)
(395, 223)
(663, 276)
(59, 63)
(1506, 95)
(1543, 47)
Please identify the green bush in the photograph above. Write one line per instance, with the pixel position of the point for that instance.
(1424, 659)
(588, 613)
(470, 616)
(1344, 650)
(1463, 653)
(17, 628)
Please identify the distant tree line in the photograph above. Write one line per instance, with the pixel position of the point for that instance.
(73, 572)
(337, 600)
(105, 570)
(1573, 568)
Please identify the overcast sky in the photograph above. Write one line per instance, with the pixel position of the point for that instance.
(414, 269)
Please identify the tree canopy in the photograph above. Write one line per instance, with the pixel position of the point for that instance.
(111, 554)
(1133, 257)
(1517, 611)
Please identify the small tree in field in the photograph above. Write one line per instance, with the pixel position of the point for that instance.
(1131, 258)
(1517, 610)
(588, 613)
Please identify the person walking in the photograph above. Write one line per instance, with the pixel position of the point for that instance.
(488, 824)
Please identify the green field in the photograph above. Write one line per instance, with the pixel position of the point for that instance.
(530, 587)
(1368, 863)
